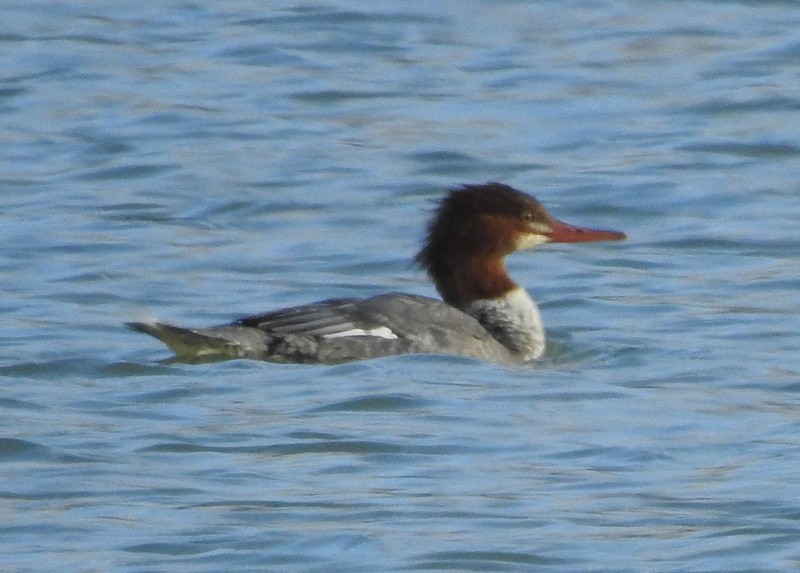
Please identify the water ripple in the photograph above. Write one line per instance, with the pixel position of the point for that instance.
(201, 161)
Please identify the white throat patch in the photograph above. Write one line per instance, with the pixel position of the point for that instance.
(531, 240)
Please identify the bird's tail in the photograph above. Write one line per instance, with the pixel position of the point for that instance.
(204, 343)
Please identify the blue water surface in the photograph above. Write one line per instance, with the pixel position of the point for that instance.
(199, 161)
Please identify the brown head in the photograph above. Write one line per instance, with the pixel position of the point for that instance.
(476, 226)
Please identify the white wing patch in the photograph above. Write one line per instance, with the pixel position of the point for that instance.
(380, 332)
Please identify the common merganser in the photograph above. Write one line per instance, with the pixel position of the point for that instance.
(484, 315)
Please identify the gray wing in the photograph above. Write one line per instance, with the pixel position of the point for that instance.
(326, 318)
(390, 315)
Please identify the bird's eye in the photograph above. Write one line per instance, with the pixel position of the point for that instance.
(527, 216)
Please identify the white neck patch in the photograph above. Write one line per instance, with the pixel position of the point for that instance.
(514, 320)
(525, 308)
